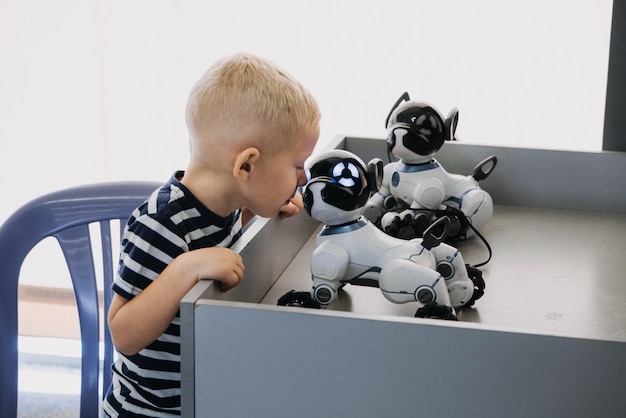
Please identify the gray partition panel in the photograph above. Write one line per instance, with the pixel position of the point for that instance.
(546, 340)
(265, 361)
(267, 247)
(531, 177)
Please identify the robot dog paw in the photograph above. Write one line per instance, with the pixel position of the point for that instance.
(300, 299)
(408, 226)
(476, 276)
(433, 310)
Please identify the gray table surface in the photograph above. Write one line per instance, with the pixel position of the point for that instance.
(553, 271)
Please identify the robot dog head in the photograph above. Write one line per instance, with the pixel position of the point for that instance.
(417, 129)
(339, 184)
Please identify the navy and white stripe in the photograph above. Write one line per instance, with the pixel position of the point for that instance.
(172, 221)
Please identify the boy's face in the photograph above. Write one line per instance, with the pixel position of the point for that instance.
(279, 175)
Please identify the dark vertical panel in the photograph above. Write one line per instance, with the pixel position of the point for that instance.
(615, 110)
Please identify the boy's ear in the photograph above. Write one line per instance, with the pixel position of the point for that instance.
(245, 163)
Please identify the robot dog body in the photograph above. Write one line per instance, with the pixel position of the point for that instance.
(350, 249)
(419, 184)
(404, 271)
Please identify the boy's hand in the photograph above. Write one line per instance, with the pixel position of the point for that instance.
(292, 206)
(220, 264)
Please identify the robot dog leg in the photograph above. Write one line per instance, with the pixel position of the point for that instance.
(403, 281)
(329, 263)
(465, 283)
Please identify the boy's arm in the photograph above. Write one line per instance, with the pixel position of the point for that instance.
(136, 323)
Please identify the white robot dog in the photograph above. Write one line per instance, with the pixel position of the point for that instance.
(352, 250)
(416, 190)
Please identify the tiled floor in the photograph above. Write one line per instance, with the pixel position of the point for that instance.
(49, 374)
(49, 377)
(38, 405)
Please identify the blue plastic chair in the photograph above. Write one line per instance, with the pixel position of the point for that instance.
(65, 215)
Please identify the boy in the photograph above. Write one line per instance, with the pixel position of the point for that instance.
(251, 127)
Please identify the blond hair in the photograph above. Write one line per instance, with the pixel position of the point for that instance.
(244, 96)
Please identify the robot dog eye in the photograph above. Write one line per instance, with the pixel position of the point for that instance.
(345, 171)
(427, 126)
(346, 174)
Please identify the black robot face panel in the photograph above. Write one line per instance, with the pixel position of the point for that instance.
(420, 128)
(345, 182)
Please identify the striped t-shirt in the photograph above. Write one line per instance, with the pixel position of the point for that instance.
(172, 221)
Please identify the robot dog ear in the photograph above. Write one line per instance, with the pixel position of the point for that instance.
(375, 174)
(451, 122)
(404, 97)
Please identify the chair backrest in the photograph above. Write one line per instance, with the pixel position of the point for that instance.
(65, 215)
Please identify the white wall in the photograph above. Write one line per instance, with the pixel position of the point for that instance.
(95, 90)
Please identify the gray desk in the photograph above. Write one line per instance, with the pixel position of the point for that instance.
(547, 339)
(539, 280)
